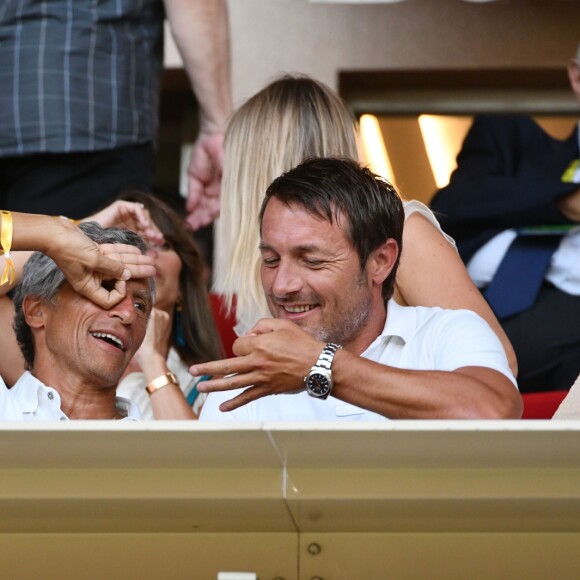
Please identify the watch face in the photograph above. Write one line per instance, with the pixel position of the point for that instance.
(318, 384)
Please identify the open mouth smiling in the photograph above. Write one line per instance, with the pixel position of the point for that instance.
(109, 339)
(298, 308)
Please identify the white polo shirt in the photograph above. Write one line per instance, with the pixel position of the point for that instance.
(414, 338)
(31, 400)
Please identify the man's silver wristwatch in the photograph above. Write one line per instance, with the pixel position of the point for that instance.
(319, 379)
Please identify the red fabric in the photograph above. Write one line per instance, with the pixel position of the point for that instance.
(542, 405)
(225, 323)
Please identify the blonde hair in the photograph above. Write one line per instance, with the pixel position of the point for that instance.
(293, 118)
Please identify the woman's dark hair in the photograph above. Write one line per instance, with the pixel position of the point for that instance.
(194, 334)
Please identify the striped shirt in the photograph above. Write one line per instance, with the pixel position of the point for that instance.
(78, 75)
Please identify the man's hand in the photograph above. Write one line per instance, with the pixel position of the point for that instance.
(569, 205)
(204, 180)
(87, 264)
(155, 345)
(272, 359)
(130, 216)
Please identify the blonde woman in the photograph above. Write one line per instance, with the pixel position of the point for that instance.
(293, 118)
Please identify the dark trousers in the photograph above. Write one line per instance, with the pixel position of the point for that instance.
(73, 184)
(546, 339)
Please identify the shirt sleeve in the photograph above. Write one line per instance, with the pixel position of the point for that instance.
(9, 411)
(464, 339)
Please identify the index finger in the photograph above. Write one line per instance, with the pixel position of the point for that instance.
(224, 367)
(105, 298)
(137, 265)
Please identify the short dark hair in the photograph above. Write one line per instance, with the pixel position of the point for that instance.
(330, 188)
(43, 278)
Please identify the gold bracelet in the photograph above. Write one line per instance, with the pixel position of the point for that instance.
(6, 243)
(161, 382)
(71, 220)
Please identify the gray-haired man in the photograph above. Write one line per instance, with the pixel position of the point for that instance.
(75, 351)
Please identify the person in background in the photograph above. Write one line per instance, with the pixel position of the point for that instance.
(181, 331)
(338, 348)
(80, 98)
(513, 207)
(293, 118)
(75, 350)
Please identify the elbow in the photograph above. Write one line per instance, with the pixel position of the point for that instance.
(502, 406)
(512, 405)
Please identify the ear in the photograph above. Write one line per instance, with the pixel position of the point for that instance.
(381, 261)
(34, 311)
(574, 76)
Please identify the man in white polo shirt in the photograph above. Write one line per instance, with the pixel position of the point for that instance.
(339, 348)
(75, 350)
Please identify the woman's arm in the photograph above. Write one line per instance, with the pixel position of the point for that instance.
(431, 273)
(167, 402)
(129, 215)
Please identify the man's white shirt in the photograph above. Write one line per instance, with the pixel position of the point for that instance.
(414, 338)
(31, 400)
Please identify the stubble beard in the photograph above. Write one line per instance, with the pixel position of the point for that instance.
(347, 324)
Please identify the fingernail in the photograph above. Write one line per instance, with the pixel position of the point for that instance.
(126, 274)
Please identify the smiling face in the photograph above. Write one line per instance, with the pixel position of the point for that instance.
(311, 275)
(74, 336)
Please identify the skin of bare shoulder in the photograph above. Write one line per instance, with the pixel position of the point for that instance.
(431, 273)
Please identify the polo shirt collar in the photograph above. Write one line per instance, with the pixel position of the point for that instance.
(400, 321)
(28, 389)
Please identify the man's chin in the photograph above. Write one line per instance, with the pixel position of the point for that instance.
(315, 332)
(306, 324)
(105, 378)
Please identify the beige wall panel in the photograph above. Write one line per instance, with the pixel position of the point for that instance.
(273, 36)
(147, 556)
(440, 556)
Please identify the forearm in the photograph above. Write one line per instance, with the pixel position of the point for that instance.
(431, 273)
(201, 32)
(30, 232)
(501, 181)
(500, 202)
(167, 402)
(406, 394)
(37, 232)
(569, 205)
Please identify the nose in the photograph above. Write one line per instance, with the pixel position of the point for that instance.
(124, 310)
(286, 280)
(152, 252)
